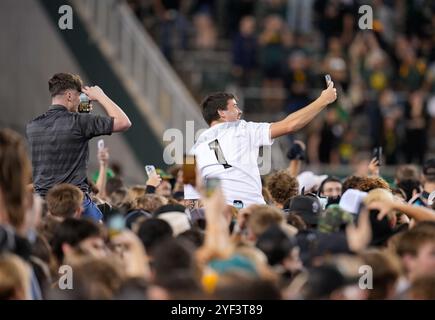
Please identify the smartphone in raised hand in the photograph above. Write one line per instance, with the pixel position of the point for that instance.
(150, 170)
(210, 186)
(377, 154)
(328, 79)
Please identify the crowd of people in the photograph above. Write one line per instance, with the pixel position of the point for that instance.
(385, 76)
(309, 241)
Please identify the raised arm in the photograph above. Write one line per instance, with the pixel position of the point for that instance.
(300, 118)
(121, 121)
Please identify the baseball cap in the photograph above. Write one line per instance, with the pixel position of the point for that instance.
(307, 207)
(308, 180)
(178, 221)
(351, 200)
(333, 219)
(164, 175)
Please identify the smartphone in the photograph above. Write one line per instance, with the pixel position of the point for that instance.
(238, 204)
(150, 170)
(100, 144)
(377, 154)
(85, 104)
(116, 225)
(328, 79)
(210, 186)
(189, 170)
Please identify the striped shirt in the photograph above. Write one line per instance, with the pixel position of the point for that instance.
(58, 141)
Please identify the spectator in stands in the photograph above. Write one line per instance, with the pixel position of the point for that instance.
(68, 136)
(244, 52)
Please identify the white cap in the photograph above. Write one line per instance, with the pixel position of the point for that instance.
(351, 200)
(178, 221)
(309, 180)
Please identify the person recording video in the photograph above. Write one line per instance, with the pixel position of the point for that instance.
(228, 150)
(58, 139)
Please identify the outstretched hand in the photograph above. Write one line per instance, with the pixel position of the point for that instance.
(329, 95)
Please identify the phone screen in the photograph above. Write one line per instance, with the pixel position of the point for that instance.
(238, 204)
(211, 184)
(150, 170)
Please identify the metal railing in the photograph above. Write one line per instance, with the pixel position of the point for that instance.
(157, 90)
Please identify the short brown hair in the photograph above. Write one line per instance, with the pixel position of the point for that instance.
(262, 217)
(386, 271)
(63, 200)
(60, 82)
(15, 174)
(213, 103)
(282, 186)
(412, 240)
(422, 288)
(149, 202)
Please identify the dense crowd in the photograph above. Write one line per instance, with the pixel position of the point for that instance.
(313, 239)
(385, 76)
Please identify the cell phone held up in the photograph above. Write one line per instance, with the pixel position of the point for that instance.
(150, 170)
(328, 80)
(210, 186)
(85, 104)
(377, 155)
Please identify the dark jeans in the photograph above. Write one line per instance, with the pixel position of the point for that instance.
(90, 209)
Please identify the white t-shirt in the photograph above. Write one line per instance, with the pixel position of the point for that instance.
(229, 151)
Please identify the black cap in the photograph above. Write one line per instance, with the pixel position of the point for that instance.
(307, 207)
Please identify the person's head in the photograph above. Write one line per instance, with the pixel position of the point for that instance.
(149, 202)
(367, 184)
(261, 218)
(386, 271)
(331, 187)
(406, 172)
(220, 107)
(15, 174)
(351, 182)
(113, 184)
(94, 279)
(280, 249)
(429, 171)
(411, 187)
(14, 278)
(416, 247)
(422, 288)
(152, 231)
(282, 186)
(307, 207)
(78, 237)
(65, 89)
(65, 201)
(174, 258)
(247, 25)
(164, 189)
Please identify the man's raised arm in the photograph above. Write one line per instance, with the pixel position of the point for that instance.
(300, 118)
(121, 121)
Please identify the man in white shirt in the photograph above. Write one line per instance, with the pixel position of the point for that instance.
(228, 150)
